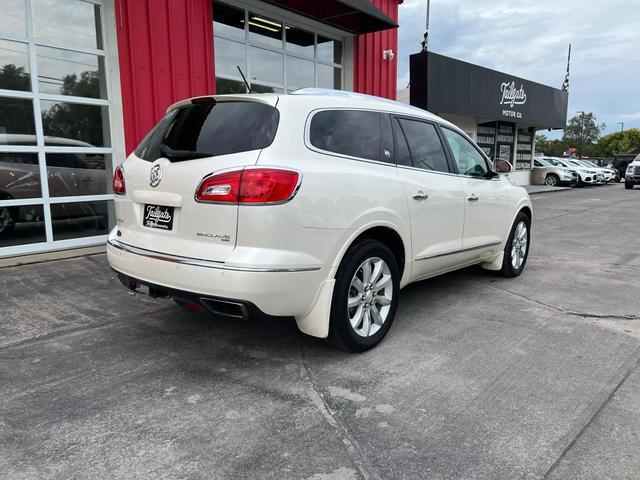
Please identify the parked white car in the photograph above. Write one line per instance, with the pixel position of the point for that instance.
(632, 174)
(586, 176)
(556, 175)
(608, 173)
(319, 205)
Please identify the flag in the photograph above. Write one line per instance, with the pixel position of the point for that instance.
(565, 84)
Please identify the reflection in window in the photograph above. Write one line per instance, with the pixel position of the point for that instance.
(229, 55)
(469, 160)
(70, 22)
(300, 42)
(265, 30)
(225, 86)
(425, 146)
(266, 65)
(228, 21)
(329, 77)
(14, 66)
(74, 124)
(19, 176)
(348, 132)
(12, 17)
(21, 225)
(329, 50)
(64, 72)
(78, 174)
(81, 219)
(300, 73)
(17, 125)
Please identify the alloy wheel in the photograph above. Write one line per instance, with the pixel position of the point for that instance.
(551, 180)
(370, 296)
(519, 245)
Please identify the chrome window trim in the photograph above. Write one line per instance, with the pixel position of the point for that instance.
(464, 250)
(198, 262)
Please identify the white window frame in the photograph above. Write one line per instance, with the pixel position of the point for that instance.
(115, 127)
(296, 21)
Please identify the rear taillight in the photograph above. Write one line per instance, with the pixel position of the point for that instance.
(252, 185)
(119, 187)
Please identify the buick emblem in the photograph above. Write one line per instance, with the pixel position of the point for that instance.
(155, 176)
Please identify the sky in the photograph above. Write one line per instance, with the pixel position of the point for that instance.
(530, 39)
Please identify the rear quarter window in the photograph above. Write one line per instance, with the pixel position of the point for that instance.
(354, 133)
(210, 129)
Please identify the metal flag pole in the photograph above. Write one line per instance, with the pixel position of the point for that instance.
(565, 84)
(425, 39)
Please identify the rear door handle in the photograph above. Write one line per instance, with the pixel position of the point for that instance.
(472, 198)
(420, 195)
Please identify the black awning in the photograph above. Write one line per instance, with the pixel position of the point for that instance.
(354, 16)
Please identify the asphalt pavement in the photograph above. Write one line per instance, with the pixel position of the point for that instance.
(480, 376)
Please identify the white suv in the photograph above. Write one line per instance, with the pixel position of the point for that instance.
(319, 205)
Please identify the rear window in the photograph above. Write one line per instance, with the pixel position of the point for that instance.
(347, 132)
(210, 129)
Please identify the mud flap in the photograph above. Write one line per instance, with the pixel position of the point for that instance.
(316, 321)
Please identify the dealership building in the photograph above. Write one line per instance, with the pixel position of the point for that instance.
(501, 112)
(82, 81)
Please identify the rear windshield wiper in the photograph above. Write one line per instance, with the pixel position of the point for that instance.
(172, 154)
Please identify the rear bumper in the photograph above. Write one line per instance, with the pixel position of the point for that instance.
(277, 292)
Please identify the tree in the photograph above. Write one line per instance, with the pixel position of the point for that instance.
(620, 142)
(552, 148)
(583, 131)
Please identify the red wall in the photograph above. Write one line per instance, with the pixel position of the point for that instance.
(165, 50)
(372, 74)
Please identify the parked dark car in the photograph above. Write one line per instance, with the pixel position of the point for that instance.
(620, 164)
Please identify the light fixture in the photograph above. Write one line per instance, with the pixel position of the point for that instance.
(259, 25)
(388, 55)
(268, 22)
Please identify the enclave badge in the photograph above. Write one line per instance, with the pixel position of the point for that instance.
(155, 176)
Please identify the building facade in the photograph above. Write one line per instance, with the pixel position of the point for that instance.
(500, 111)
(82, 82)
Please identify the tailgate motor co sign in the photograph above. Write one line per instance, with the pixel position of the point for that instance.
(512, 96)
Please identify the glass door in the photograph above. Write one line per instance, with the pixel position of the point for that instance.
(55, 141)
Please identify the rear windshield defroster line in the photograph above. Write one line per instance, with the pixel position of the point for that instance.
(209, 130)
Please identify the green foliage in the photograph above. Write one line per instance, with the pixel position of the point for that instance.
(620, 142)
(583, 129)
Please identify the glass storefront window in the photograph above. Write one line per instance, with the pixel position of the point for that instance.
(225, 86)
(19, 176)
(266, 65)
(329, 77)
(72, 143)
(17, 125)
(229, 55)
(265, 31)
(13, 17)
(228, 21)
(300, 42)
(70, 22)
(300, 73)
(329, 50)
(281, 56)
(14, 66)
(81, 219)
(64, 72)
(71, 174)
(21, 225)
(75, 124)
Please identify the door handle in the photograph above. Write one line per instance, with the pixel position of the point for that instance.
(420, 195)
(472, 198)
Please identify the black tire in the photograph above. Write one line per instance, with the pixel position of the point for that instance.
(618, 177)
(508, 270)
(628, 185)
(552, 180)
(341, 333)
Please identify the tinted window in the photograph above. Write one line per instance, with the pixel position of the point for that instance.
(470, 161)
(403, 157)
(210, 129)
(348, 132)
(424, 145)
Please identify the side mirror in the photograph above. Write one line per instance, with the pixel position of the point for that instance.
(502, 166)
